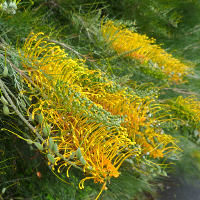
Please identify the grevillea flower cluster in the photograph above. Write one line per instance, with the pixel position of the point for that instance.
(186, 109)
(86, 120)
(145, 50)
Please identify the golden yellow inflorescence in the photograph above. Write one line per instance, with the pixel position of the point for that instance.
(187, 109)
(94, 124)
(144, 49)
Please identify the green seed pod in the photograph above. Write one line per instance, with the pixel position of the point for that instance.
(55, 148)
(51, 158)
(3, 100)
(82, 160)
(51, 144)
(6, 110)
(5, 72)
(3, 190)
(78, 153)
(164, 173)
(38, 145)
(46, 129)
(31, 147)
(71, 157)
(29, 142)
(40, 118)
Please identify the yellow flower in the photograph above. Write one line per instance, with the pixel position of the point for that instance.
(144, 49)
(187, 109)
(71, 97)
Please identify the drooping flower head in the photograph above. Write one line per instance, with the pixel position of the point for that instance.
(144, 49)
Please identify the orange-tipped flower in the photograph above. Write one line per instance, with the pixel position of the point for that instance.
(86, 120)
(144, 49)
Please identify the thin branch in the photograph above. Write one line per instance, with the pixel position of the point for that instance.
(1, 198)
(182, 91)
(69, 48)
(21, 72)
(4, 88)
(17, 111)
(10, 92)
(17, 180)
(66, 47)
(29, 125)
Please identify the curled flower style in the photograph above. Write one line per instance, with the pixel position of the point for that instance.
(88, 121)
